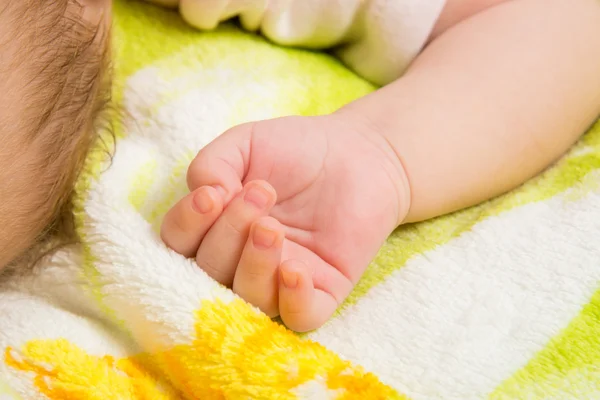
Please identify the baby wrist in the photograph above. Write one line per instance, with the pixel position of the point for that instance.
(359, 121)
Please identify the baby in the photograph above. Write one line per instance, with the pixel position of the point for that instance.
(289, 212)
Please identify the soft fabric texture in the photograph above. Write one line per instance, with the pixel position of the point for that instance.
(499, 301)
(378, 39)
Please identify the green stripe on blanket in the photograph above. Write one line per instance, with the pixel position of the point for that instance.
(568, 367)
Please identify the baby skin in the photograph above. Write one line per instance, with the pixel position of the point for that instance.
(289, 212)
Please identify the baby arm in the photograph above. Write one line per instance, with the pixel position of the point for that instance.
(290, 222)
(492, 102)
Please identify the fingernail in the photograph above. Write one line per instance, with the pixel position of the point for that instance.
(289, 278)
(264, 238)
(203, 202)
(257, 196)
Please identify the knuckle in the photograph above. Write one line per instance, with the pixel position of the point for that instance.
(254, 272)
(238, 226)
(214, 271)
(196, 170)
(179, 223)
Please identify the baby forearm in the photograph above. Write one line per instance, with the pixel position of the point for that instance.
(491, 102)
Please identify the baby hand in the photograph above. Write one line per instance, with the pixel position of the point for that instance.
(289, 212)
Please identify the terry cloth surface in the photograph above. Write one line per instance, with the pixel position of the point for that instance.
(499, 301)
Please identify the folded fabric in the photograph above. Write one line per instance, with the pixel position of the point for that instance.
(378, 39)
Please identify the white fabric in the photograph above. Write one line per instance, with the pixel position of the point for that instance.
(378, 39)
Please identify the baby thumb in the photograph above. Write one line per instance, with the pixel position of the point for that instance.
(223, 163)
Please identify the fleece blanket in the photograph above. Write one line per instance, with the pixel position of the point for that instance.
(499, 301)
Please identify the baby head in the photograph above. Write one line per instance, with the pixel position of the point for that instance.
(53, 57)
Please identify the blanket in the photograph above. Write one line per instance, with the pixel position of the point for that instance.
(498, 301)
